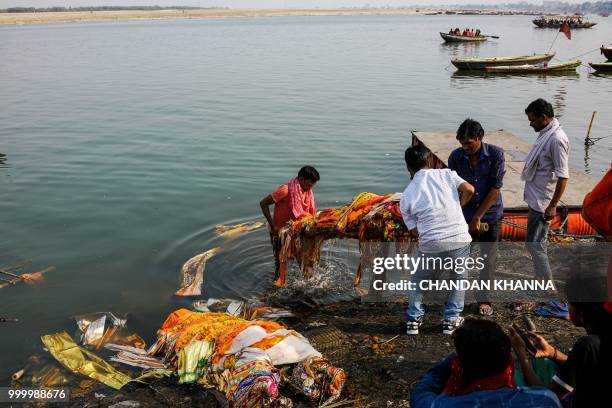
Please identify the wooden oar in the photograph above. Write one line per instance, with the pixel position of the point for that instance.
(491, 36)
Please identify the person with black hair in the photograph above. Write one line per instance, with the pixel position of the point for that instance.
(292, 201)
(478, 374)
(545, 173)
(431, 209)
(482, 165)
(584, 355)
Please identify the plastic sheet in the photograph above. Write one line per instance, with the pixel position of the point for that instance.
(81, 361)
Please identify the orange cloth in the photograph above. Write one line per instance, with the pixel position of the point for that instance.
(187, 325)
(597, 207)
(225, 339)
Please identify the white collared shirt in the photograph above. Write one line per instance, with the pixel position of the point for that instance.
(430, 203)
(553, 163)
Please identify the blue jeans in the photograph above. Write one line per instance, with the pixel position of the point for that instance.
(536, 242)
(456, 297)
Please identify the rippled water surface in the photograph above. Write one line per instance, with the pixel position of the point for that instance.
(122, 145)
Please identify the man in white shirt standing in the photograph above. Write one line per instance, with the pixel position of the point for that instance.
(545, 174)
(431, 209)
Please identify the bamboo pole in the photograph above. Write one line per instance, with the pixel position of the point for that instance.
(10, 274)
(587, 140)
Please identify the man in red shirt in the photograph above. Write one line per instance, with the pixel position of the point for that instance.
(292, 201)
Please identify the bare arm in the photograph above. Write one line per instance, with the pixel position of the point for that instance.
(265, 209)
(543, 349)
(466, 191)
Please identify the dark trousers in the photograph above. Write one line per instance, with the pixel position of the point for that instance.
(487, 241)
(276, 246)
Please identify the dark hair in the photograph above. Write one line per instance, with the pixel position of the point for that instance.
(309, 173)
(540, 107)
(469, 130)
(416, 157)
(587, 295)
(482, 347)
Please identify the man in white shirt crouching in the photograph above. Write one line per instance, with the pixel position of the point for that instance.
(431, 208)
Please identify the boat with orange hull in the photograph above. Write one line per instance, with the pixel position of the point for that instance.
(568, 222)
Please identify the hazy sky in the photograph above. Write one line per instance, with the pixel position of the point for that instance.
(250, 3)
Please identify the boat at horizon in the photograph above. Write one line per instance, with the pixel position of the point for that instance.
(482, 63)
(574, 21)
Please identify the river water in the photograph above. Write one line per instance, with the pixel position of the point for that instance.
(124, 144)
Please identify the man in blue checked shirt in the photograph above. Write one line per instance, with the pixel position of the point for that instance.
(483, 166)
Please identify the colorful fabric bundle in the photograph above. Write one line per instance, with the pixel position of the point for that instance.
(239, 357)
(316, 378)
(368, 217)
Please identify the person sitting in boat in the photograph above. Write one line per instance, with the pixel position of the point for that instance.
(478, 374)
(478, 32)
(451, 31)
(465, 33)
(457, 31)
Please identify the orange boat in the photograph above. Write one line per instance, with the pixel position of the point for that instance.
(567, 222)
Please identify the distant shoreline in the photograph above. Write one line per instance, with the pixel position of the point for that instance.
(135, 15)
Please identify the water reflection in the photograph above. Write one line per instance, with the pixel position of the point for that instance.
(3, 160)
(587, 169)
(460, 50)
(559, 101)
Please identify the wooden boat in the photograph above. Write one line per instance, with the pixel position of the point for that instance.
(606, 52)
(602, 67)
(557, 21)
(461, 38)
(528, 68)
(482, 63)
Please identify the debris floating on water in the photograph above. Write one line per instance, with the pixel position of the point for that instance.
(192, 273)
(230, 231)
